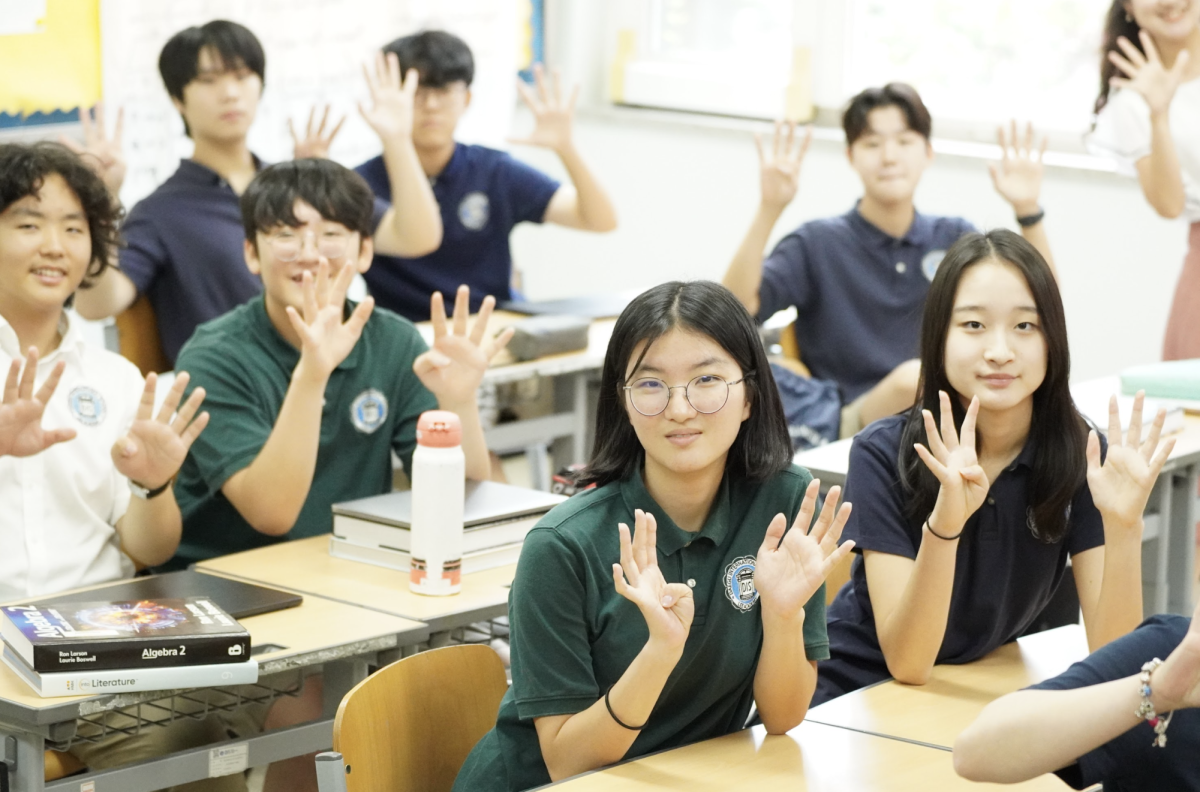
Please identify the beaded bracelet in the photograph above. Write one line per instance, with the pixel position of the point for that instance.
(1146, 708)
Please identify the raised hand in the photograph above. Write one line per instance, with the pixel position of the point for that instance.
(325, 339)
(1176, 683)
(789, 568)
(552, 113)
(391, 112)
(668, 608)
(1121, 486)
(316, 142)
(1146, 73)
(150, 453)
(779, 172)
(453, 367)
(99, 151)
(952, 459)
(1018, 174)
(21, 432)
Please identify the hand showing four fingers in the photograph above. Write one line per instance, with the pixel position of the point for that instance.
(952, 458)
(790, 567)
(1018, 174)
(454, 365)
(779, 170)
(153, 449)
(1121, 485)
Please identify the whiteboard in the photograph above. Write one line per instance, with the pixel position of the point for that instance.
(314, 55)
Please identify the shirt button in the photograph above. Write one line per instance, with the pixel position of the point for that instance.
(691, 583)
(901, 267)
(991, 501)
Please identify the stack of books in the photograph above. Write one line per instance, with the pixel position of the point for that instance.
(377, 530)
(73, 648)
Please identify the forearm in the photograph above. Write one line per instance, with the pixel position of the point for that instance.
(785, 679)
(1036, 236)
(150, 529)
(591, 738)
(415, 220)
(1160, 176)
(744, 275)
(110, 294)
(1119, 607)
(271, 491)
(478, 464)
(911, 635)
(1031, 732)
(596, 211)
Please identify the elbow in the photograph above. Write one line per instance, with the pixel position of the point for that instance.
(907, 671)
(605, 225)
(272, 522)
(968, 761)
(1169, 209)
(776, 726)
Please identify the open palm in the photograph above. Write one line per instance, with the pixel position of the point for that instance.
(1121, 485)
(1018, 174)
(779, 171)
(454, 365)
(953, 460)
(667, 607)
(553, 113)
(326, 338)
(391, 110)
(21, 432)
(1146, 73)
(154, 448)
(789, 568)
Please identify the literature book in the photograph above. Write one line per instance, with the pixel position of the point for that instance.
(400, 559)
(90, 683)
(73, 636)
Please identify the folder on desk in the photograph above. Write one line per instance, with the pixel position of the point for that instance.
(1172, 379)
(235, 597)
(590, 306)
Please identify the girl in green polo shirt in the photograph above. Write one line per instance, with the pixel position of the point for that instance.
(625, 642)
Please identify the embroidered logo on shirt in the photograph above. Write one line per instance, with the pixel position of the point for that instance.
(473, 211)
(931, 262)
(87, 406)
(369, 411)
(739, 583)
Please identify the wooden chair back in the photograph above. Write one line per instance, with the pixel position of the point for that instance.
(137, 334)
(791, 352)
(409, 726)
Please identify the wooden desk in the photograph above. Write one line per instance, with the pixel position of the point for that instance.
(937, 712)
(305, 566)
(321, 634)
(811, 758)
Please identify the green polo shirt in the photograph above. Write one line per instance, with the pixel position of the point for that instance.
(372, 402)
(573, 636)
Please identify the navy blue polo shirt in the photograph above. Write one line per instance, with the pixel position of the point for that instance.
(859, 292)
(482, 194)
(1003, 574)
(1131, 762)
(184, 250)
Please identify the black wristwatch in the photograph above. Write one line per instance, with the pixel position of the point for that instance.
(1033, 219)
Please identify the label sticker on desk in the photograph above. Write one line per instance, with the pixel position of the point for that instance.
(87, 786)
(228, 760)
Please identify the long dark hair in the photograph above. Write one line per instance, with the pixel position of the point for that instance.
(1057, 429)
(762, 447)
(1118, 23)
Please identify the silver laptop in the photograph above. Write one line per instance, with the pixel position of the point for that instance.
(487, 502)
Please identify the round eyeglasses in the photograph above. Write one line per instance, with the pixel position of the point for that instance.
(706, 393)
(288, 244)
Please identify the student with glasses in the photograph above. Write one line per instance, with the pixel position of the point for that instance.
(656, 608)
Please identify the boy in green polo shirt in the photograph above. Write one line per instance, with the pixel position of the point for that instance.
(309, 394)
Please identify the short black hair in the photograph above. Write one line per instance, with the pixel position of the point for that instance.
(440, 58)
(894, 94)
(23, 170)
(338, 193)
(762, 447)
(233, 44)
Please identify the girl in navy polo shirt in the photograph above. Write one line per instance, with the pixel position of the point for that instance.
(965, 525)
(629, 642)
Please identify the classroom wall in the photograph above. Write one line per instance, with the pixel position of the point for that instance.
(685, 195)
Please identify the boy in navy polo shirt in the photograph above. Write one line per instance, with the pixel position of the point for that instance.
(858, 281)
(483, 193)
(184, 241)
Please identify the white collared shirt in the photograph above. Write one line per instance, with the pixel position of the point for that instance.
(58, 508)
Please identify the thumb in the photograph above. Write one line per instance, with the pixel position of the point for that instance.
(124, 448)
(674, 593)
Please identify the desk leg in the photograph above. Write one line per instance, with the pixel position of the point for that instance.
(1179, 566)
(339, 677)
(571, 396)
(25, 755)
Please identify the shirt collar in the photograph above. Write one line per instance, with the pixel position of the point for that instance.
(453, 168)
(1027, 455)
(672, 538)
(202, 174)
(919, 234)
(281, 347)
(71, 333)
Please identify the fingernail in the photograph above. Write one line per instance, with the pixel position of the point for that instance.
(666, 601)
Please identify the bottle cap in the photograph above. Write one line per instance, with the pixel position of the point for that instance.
(439, 429)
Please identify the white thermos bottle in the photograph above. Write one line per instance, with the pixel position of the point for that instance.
(438, 491)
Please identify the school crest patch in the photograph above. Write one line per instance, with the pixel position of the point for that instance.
(369, 411)
(739, 583)
(931, 262)
(473, 211)
(87, 405)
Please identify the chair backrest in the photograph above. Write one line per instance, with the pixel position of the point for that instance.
(790, 349)
(409, 726)
(137, 334)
